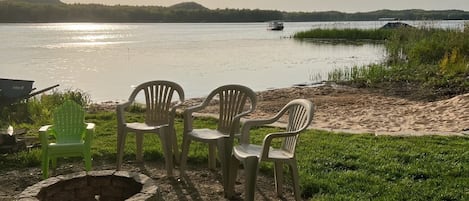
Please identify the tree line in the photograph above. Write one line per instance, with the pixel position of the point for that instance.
(13, 11)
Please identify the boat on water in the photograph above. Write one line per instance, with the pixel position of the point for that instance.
(276, 25)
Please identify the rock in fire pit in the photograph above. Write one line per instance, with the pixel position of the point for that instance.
(95, 185)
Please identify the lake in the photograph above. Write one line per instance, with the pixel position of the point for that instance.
(106, 60)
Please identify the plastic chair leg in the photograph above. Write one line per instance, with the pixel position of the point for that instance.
(88, 159)
(212, 161)
(278, 171)
(186, 142)
(174, 140)
(234, 165)
(166, 141)
(295, 179)
(139, 142)
(54, 162)
(120, 148)
(45, 166)
(250, 169)
(225, 148)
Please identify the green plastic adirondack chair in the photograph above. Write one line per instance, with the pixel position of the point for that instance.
(72, 136)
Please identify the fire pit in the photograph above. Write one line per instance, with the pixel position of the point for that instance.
(94, 185)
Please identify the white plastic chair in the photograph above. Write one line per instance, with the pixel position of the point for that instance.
(235, 101)
(160, 112)
(300, 114)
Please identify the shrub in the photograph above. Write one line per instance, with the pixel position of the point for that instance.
(38, 110)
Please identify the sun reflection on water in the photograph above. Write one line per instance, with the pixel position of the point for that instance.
(95, 37)
(86, 27)
(88, 35)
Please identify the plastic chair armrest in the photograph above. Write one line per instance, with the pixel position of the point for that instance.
(44, 128)
(187, 115)
(235, 126)
(89, 133)
(258, 122)
(172, 113)
(175, 106)
(124, 105)
(44, 134)
(194, 108)
(173, 109)
(120, 111)
(266, 143)
(250, 123)
(90, 126)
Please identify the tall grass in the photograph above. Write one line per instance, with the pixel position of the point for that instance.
(347, 34)
(427, 46)
(361, 76)
(432, 62)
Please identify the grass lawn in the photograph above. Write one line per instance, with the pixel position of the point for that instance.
(332, 166)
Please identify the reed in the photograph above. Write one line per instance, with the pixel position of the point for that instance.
(433, 62)
(345, 34)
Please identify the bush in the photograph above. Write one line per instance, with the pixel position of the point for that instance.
(38, 110)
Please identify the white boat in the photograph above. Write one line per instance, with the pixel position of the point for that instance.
(276, 25)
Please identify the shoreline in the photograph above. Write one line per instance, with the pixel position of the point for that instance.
(352, 110)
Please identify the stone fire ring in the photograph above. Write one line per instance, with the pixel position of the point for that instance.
(94, 185)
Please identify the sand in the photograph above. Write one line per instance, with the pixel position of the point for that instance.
(352, 110)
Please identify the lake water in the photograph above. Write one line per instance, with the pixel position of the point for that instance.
(107, 59)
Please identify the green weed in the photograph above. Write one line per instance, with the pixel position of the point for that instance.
(427, 63)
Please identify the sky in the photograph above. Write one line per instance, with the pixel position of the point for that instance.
(301, 5)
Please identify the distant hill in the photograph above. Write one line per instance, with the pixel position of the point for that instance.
(38, 1)
(188, 6)
(56, 11)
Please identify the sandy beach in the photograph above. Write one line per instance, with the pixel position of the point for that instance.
(352, 110)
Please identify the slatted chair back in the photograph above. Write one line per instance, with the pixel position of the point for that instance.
(300, 115)
(233, 100)
(158, 98)
(69, 123)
